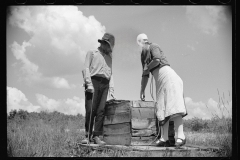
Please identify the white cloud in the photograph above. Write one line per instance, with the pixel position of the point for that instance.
(207, 18)
(60, 38)
(60, 83)
(19, 53)
(67, 106)
(30, 70)
(206, 111)
(17, 100)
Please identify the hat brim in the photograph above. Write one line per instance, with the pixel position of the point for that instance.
(100, 41)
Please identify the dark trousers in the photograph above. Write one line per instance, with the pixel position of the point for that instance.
(96, 102)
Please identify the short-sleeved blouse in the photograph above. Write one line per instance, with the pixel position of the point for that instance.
(154, 52)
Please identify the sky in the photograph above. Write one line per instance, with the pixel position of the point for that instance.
(47, 45)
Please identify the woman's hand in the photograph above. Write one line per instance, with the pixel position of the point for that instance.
(142, 95)
(145, 72)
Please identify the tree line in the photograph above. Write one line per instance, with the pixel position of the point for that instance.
(215, 124)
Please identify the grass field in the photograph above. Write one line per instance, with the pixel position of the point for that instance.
(49, 137)
(53, 134)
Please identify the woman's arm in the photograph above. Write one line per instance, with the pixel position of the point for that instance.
(153, 64)
(143, 87)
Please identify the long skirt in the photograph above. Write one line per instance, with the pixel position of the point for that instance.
(169, 94)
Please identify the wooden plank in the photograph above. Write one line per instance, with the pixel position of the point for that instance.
(143, 123)
(144, 143)
(205, 148)
(117, 128)
(141, 148)
(139, 103)
(142, 113)
(154, 148)
(143, 132)
(95, 146)
(116, 108)
(118, 139)
(117, 118)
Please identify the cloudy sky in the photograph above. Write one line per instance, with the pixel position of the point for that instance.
(46, 48)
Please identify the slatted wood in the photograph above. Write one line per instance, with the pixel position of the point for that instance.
(117, 118)
(115, 108)
(118, 139)
(143, 123)
(138, 103)
(117, 128)
(142, 113)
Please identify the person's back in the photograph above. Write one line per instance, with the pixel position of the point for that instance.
(169, 90)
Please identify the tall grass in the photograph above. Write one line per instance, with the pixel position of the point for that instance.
(224, 139)
(36, 138)
(215, 132)
(42, 135)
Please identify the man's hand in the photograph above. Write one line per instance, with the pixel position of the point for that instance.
(90, 89)
(112, 95)
(111, 92)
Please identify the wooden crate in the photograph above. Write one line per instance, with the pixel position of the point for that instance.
(117, 123)
(125, 119)
(143, 118)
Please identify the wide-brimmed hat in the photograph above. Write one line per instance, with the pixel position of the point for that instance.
(109, 38)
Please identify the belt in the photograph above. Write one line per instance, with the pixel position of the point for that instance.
(154, 68)
(102, 79)
(158, 66)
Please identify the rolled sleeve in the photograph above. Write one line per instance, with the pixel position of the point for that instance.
(86, 71)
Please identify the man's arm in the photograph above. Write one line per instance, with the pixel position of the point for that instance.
(86, 73)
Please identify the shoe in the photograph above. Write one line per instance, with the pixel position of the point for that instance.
(179, 144)
(98, 141)
(160, 143)
(86, 141)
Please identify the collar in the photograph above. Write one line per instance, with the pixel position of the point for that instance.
(103, 53)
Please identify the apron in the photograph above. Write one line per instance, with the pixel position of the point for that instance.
(169, 94)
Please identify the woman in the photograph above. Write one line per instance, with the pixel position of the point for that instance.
(169, 90)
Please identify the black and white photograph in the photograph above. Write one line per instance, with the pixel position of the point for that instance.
(119, 80)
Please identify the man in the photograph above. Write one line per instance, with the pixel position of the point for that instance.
(98, 79)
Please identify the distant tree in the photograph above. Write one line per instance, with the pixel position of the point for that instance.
(196, 124)
(34, 116)
(12, 114)
(80, 116)
(23, 114)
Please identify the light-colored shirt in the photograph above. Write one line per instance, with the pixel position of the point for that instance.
(98, 64)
